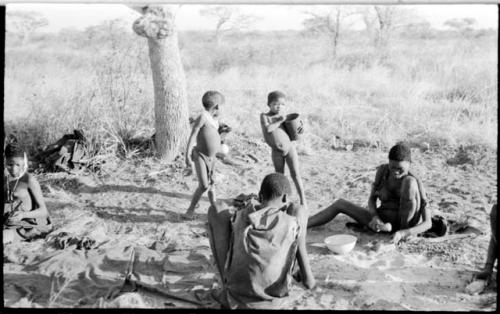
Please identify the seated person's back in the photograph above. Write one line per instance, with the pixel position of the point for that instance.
(263, 241)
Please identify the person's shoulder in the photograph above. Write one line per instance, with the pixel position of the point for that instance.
(381, 170)
(30, 178)
(411, 180)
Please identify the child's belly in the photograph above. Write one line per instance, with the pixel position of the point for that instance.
(279, 140)
(208, 141)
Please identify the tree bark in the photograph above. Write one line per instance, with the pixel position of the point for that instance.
(171, 112)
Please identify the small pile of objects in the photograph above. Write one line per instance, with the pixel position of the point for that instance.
(68, 154)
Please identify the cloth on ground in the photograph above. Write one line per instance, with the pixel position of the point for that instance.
(86, 278)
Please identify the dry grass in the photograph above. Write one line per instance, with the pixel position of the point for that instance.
(439, 91)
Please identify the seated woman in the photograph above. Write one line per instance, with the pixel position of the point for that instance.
(256, 246)
(25, 215)
(402, 200)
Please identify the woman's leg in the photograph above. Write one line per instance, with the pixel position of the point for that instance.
(358, 213)
(292, 160)
(278, 161)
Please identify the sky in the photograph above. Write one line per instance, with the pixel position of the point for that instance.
(270, 17)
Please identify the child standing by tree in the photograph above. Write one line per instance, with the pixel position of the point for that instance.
(283, 149)
(205, 130)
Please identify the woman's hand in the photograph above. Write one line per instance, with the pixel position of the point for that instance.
(399, 236)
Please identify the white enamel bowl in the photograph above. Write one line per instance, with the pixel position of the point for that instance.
(341, 243)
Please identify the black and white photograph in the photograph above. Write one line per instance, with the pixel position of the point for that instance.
(228, 155)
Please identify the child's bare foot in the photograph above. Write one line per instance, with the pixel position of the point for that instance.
(189, 215)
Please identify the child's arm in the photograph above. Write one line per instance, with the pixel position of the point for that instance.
(268, 125)
(305, 268)
(194, 132)
(36, 192)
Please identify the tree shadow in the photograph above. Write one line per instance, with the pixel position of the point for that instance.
(137, 189)
(133, 189)
(138, 215)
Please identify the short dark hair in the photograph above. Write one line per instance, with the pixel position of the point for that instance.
(273, 96)
(13, 150)
(211, 99)
(274, 185)
(400, 152)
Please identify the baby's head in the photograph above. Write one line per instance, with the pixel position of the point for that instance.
(211, 101)
(275, 101)
(16, 160)
(275, 187)
(399, 160)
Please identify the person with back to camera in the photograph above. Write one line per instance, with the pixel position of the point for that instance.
(255, 247)
(402, 198)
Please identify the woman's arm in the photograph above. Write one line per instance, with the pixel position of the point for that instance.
(268, 125)
(194, 132)
(40, 210)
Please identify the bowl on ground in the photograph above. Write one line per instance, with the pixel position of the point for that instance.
(341, 243)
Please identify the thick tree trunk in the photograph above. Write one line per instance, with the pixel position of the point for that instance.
(171, 112)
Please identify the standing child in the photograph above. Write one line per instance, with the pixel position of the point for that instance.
(283, 149)
(205, 130)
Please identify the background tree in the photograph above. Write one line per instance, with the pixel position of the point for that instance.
(382, 21)
(329, 24)
(464, 26)
(227, 19)
(24, 24)
(157, 24)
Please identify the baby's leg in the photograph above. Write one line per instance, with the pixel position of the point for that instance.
(358, 213)
(292, 159)
(203, 184)
(278, 161)
(219, 232)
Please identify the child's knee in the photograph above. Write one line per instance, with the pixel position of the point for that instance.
(341, 202)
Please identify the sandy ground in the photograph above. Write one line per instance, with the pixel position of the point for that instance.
(133, 214)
